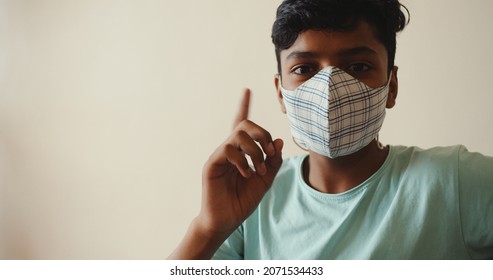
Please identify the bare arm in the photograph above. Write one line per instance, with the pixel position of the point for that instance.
(231, 189)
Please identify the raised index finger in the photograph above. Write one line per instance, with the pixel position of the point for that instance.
(244, 108)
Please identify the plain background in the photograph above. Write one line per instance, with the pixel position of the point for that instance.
(109, 108)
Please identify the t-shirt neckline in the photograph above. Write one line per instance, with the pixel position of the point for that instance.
(347, 194)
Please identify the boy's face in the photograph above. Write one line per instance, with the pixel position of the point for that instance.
(357, 52)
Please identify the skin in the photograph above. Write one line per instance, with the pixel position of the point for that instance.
(360, 54)
(231, 190)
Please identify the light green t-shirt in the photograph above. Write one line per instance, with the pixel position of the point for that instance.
(421, 204)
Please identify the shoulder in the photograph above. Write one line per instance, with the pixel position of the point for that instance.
(427, 160)
(457, 156)
(424, 170)
(429, 153)
(448, 168)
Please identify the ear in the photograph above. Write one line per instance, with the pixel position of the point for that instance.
(277, 83)
(393, 88)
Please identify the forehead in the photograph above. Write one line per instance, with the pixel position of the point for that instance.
(331, 43)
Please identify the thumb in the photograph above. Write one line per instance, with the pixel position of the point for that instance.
(274, 162)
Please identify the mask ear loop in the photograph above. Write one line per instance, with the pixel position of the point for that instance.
(379, 144)
(299, 146)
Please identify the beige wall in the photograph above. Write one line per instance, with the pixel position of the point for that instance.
(109, 108)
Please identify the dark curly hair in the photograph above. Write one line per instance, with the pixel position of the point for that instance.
(296, 16)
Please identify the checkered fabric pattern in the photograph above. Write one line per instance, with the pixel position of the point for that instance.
(334, 114)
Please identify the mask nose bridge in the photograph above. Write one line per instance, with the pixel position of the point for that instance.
(324, 76)
(326, 72)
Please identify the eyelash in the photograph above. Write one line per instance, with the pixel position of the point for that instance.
(299, 69)
(366, 67)
(309, 69)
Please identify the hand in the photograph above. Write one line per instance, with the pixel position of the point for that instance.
(232, 190)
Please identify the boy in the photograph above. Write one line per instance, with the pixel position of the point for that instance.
(350, 197)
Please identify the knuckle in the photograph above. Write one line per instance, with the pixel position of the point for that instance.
(257, 154)
(267, 136)
(228, 148)
(234, 137)
(244, 124)
(239, 134)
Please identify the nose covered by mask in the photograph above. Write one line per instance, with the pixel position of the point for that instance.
(334, 114)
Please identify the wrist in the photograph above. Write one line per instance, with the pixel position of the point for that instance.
(199, 243)
(202, 230)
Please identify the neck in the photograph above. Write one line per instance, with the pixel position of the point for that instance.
(343, 173)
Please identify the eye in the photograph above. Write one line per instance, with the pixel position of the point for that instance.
(303, 69)
(358, 67)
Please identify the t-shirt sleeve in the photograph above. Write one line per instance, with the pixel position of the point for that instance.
(232, 248)
(476, 202)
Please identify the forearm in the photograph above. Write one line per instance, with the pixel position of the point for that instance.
(197, 245)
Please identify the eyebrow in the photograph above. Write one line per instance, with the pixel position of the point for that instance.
(356, 51)
(301, 54)
(344, 53)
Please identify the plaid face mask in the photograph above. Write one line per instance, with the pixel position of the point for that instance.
(334, 114)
